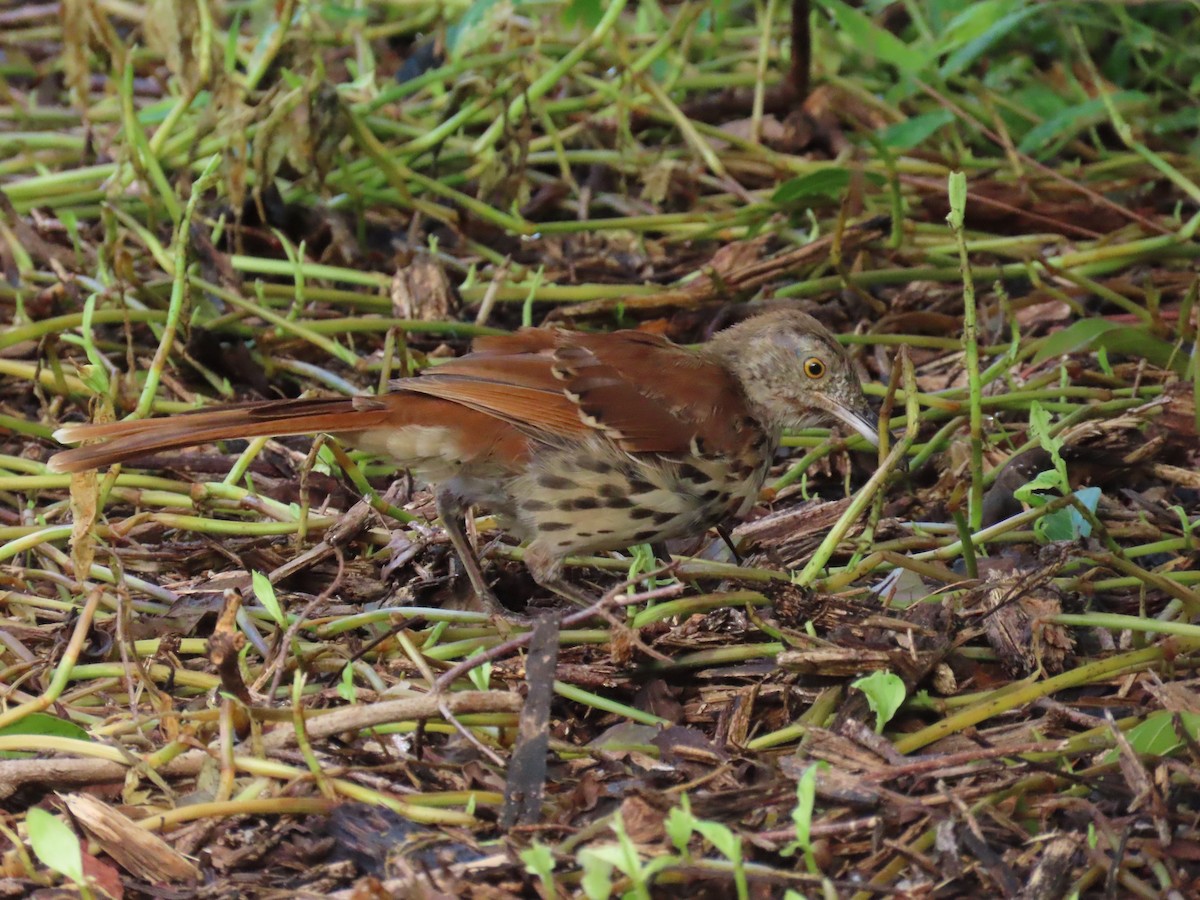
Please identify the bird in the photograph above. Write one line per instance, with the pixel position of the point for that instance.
(579, 442)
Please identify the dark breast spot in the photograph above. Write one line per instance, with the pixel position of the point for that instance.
(599, 466)
(649, 534)
(552, 526)
(688, 472)
(555, 482)
(619, 503)
(534, 505)
(578, 503)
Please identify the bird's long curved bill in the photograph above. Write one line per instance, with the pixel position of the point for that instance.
(863, 420)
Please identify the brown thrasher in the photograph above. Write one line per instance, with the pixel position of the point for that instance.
(580, 442)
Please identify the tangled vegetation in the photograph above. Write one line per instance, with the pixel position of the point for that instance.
(960, 666)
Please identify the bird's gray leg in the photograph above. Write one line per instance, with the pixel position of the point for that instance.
(452, 511)
(727, 537)
(546, 569)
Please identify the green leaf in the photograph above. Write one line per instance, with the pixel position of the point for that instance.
(539, 861)
(95, 378)
(885, 694)
(586, 12)
(481, 675)
(970, 20)
(680, 823)
(55, 844)
(806, 795)
(1075, 118)
(1138, 341)
(1043, 481)
(868, 37)
(1156, 735)
(1067, 524)
(265, 592)
(722, 837)
(974, 21)
(475, 27)
(1076, 336)
(598, 862)
(341, 15)
(1056, 526)
(1039, 427)
(912, 132)
(656, 865)
(346, 689)
(46, 724)
(628, 861)
(714, 18)
(41, 724)
(1039, 423)
(1111, 337)
(829, 182)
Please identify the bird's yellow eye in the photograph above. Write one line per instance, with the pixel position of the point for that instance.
(814, 368)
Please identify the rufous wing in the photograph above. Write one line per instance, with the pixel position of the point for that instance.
(551, 386)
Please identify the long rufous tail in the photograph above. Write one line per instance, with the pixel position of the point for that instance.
(270, 418)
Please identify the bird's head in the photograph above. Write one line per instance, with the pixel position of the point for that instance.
(794, 372)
